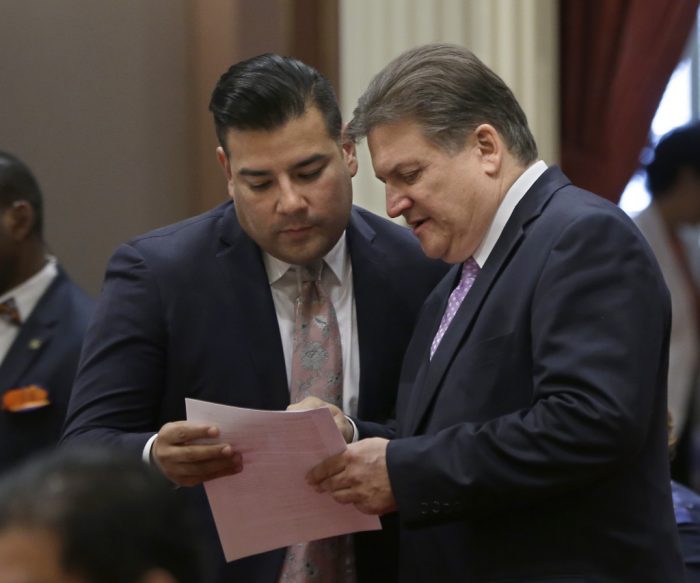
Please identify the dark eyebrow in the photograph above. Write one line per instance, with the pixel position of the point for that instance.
(305, 162)
(309, 160)
(251, 172)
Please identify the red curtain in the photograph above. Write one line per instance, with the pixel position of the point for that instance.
(616, 58)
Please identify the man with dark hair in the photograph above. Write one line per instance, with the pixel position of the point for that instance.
(670, 224)
(93, 516)
(206, 308)
(530, 440)
(43, 316)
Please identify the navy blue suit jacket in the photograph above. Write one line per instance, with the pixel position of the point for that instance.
(45, 353)
(186, 311)
(533, 446)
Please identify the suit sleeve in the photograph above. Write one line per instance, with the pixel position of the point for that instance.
(599, 323)
(121, 373)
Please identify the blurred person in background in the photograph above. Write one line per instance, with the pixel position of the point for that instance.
(670, 224)
(93, 516)
(686, 507)
(43, 317)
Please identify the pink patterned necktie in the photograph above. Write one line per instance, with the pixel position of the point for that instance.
(10, 313)
(317, 370)
(470, 270)
(317, 357)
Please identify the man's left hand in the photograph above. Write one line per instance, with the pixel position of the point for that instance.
(357, 476)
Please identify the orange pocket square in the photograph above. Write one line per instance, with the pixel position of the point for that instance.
(25, 399)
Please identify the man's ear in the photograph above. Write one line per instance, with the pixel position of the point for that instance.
(225, 164)
(349, 151)
(19, 219)
(490, 147)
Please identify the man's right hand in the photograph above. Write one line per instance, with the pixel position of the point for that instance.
(341, 421)
(187, 463)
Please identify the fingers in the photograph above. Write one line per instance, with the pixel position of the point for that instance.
(179, 432)
(325, 470)
(341, 422)
(180, 454)
(357, 476)
(311, 403)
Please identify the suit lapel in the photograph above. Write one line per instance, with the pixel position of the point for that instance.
(418, 351)
(34, 335)
(527, 210)
(371, 290)
(241, 262)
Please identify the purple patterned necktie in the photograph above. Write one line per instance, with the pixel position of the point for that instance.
(470, 270)
(9, 312)
(317, 370)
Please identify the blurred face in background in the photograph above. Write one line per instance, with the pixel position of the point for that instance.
(32, 556)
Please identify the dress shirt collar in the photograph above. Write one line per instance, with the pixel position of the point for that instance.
(336, 259)
(510, 200)
(28, 293)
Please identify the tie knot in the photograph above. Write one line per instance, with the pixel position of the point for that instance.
(10, 312)
(310, 272)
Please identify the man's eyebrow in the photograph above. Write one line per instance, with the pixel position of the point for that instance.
(395, 169)
(251, 172)
(310, 160)
(305, 162)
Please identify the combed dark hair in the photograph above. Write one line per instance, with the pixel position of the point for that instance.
(96, 499)
(678, 149)
(264, 92)
(18, 183)
(449, 92)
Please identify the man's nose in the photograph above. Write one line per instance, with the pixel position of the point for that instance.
(291, 197)
(396, 201)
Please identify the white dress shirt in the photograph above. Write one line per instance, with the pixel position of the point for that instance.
(684, 349)
(505, 209)
(27, 296)
(337, 281)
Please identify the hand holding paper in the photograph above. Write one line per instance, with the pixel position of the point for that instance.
(341, 421)
(357, 476)
(269, 504)
(188, 463)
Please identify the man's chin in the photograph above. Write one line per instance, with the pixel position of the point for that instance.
(301, 255)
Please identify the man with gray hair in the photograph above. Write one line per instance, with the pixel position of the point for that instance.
(530, 441)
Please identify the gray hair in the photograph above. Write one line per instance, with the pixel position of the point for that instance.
(449, 92)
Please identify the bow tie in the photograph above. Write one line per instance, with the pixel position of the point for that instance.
(9, 312)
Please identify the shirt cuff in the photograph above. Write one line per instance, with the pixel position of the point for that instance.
(146, 455)
(355, 434)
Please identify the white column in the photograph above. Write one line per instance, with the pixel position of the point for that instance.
(517, 38)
